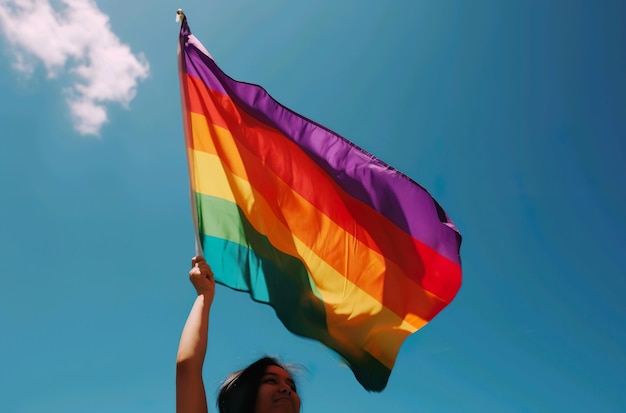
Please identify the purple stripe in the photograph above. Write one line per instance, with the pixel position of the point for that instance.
(360, 174)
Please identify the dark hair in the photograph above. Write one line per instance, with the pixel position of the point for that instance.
(239, 391)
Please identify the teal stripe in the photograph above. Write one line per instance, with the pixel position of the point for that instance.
(244, 259)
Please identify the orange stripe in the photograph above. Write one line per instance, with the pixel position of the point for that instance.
(365, 267)
(346, 319)
(419, 262)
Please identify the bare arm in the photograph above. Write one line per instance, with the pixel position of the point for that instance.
(190, 393)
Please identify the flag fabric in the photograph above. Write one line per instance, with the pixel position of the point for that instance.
(346, 249)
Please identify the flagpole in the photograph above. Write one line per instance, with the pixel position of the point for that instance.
(180, 17)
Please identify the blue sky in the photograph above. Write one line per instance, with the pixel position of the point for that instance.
(510, 113)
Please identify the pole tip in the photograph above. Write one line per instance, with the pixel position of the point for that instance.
(180, 15)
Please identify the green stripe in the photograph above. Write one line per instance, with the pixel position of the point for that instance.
(245, 260)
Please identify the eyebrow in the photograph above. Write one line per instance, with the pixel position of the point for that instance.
(288, 379)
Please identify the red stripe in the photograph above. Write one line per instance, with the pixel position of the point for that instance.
(421, 263)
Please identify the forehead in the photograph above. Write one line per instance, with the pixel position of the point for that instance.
(277, 371)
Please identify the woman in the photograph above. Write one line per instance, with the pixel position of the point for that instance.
(265, 386)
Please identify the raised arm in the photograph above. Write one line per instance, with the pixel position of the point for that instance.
(190, 393)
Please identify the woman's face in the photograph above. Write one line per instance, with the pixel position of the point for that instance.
(277, 392)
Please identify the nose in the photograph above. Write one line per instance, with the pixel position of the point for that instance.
(285, 389)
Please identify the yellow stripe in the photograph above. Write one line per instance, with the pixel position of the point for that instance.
(366, 266)
(211, 178)
(214, 139)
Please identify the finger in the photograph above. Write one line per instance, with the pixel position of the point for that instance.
(202, 263)
(204, 266)
(206, 271)
(195, 272)
(202, 270)
(197, 260)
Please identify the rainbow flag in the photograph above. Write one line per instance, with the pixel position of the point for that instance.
(347, 250)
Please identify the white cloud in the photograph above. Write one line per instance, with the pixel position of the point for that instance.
(75, 39)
